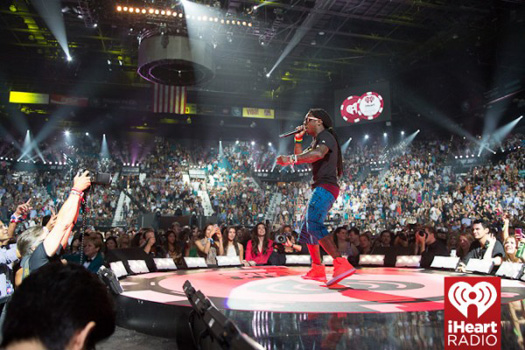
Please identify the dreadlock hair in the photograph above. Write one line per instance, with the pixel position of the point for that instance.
(329, 125)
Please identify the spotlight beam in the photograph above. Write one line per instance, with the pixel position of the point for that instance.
(51, 13)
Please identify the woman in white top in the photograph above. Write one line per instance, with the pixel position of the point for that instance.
(231, 246)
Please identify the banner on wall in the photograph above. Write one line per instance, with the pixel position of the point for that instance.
(263, 113)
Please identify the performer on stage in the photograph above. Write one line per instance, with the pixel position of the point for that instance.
(324, 153)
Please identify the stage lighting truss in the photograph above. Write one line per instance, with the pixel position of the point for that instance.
(374, 260)
(408, 260)
(163, 14)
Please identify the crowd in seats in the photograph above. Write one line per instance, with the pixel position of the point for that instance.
(386, 192)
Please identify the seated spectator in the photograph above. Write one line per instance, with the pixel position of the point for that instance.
(123, 241)
(59, 307)
(463, 245)
(147, 240)
(353, 234)
(344, 246)
(92, 258)
(485, 246)
(259, 247)
(428, 246)
(231, 246)
(510, 245)
(111, 243)
(365, 245)
(384, 241)
(173, 247)
(210, 243)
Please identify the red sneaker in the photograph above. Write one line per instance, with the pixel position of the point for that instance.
(342, 269)
(317, 273)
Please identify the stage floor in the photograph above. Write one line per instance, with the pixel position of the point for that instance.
(376, 308)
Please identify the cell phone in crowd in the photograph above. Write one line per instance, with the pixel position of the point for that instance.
(518, 233)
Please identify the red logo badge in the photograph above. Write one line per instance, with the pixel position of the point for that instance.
(472, 313)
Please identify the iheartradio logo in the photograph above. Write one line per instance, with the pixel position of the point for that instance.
(462, 295)
(479, 330)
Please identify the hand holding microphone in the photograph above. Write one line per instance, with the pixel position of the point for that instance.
(299, 132)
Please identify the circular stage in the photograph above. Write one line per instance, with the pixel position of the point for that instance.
(281, 289)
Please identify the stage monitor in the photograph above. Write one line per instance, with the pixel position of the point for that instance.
(445, 262)
(408, 260)
(293, 259)
(192, 263)
(362, 104)
(328, 260)
(371, 260)
(510, 270)
(480, 265)
(118, 268)
(138, 266)
(228, 261)
(165, 264)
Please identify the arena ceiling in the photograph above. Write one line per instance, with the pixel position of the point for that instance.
(460, 54)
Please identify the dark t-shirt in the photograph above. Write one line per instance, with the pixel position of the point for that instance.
(437, 248)
(476, 251)
(325, 170)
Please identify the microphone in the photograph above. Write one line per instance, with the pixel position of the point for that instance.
(290, 133)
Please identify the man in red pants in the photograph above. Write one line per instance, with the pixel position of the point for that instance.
(324, 154)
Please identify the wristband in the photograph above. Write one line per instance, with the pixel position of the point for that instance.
(298, 139)
(78, 193)
(16, 219)
(211, 240)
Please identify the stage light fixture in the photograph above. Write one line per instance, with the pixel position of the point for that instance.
(168, 13)
(137, 10)
(408, 260)
(157, 12)
(143, 11)
(119, 8)
(151, 11)
(366, 137)
(375, 260)
(253, 143)
(384, 134)
(402, 132)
